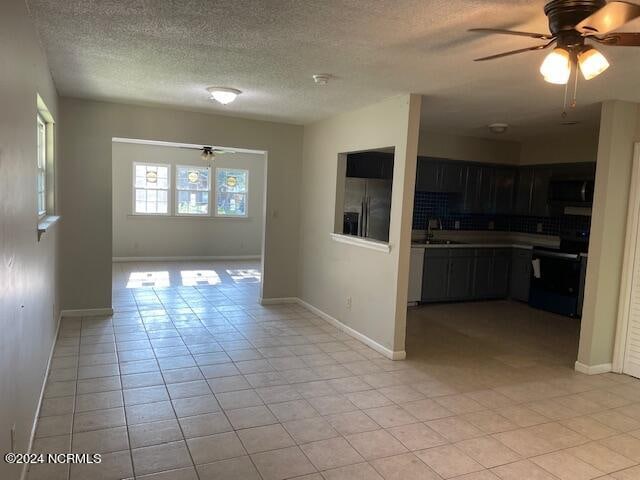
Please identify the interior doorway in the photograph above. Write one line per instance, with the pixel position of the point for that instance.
(187, 219)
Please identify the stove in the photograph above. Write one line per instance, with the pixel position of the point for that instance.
(557, 274)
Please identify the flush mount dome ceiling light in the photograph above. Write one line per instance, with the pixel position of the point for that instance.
(223, 95)
(498, 128)
(571, 24)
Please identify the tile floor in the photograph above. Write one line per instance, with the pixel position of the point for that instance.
(192, 379)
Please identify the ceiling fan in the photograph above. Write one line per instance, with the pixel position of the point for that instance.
(572, 23)
(207, 153)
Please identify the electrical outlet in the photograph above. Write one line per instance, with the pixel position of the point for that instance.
(348, 303)
(457, 225)
(539, 228)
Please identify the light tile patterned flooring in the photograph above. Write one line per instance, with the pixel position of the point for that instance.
(191, 379)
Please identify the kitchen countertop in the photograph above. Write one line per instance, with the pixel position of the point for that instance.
(478, 245)
(471, 245)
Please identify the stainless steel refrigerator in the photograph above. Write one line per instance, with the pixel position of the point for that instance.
(370, 200)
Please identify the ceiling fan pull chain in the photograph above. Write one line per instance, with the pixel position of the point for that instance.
(564, 105)
(574, 102)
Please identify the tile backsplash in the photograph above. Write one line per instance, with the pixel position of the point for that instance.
(440, 205)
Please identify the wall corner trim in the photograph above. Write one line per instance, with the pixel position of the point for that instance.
(390, 354)
(593, 369)
(86, 312)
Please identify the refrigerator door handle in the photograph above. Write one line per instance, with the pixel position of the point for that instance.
(368, 204)
(364, 217)
(361, 222)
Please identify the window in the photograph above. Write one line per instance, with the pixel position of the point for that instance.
(192, 190)
(44, 181)
(231, 192)
(41, 179)
(151, 189)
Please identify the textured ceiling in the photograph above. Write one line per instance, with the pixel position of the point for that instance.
(168, 51)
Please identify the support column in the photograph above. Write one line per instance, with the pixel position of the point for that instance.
(618, 133)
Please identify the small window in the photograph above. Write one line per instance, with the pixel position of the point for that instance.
(151, 189)
(41, 180)
(232, 187)
(192, 190)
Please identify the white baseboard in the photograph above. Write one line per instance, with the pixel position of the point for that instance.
(391, 354)
(34, 425)
(87, 312)
(593, 369)
(277, 301)
(185, 258)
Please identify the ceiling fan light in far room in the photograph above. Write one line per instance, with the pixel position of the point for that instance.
(556, 68)
(207, 154)
(592, 63)
(223, 95)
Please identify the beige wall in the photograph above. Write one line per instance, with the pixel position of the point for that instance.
(571, 148)
(184, 236)
(331, 271)
(619, 130)
(568, 148)
(86, 192)
(28, 270)
(471, 149)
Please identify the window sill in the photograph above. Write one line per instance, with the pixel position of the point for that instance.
(361, 242)
(188, 217)
(45, 223)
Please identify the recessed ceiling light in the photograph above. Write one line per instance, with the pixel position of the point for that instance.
(322, 78)
(223, 95)
(498, 128)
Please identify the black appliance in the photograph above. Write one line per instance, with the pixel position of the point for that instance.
(557, 275)
(571, 193)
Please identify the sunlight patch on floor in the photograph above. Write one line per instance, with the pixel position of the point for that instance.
(148, 279)
(193, 278)
(249, 275)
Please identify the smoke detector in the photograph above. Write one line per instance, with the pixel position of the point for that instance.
(498, 128)
(322, 78)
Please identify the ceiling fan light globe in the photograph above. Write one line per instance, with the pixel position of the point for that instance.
(556, 67)
(592, 63)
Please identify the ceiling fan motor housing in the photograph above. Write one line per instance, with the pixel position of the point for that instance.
(564, 15)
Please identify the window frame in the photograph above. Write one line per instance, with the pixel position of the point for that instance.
(176, 190)
(41, 169)
(133, 190)
(246, 193)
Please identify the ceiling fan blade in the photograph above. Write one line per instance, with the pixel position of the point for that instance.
(515, 52)
(501, 31)
(622, 39)
(610, 17)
